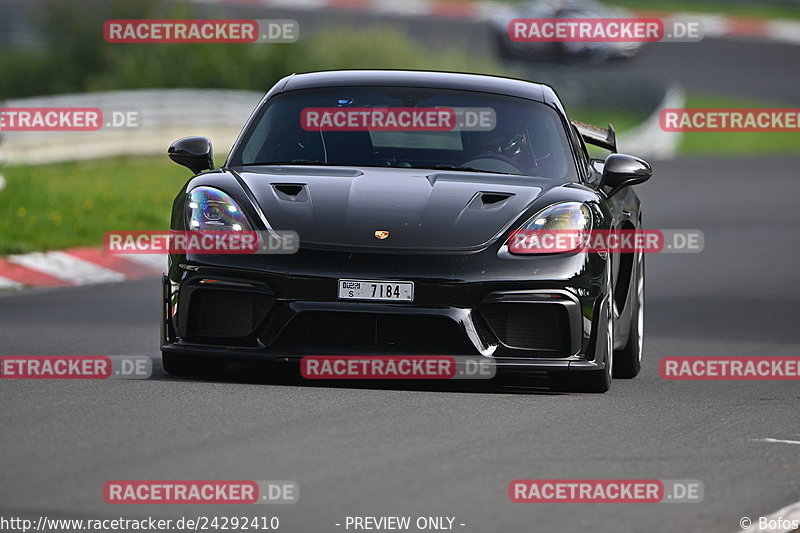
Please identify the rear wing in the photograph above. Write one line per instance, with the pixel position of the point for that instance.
(604, 138)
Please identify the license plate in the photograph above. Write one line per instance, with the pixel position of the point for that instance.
(361, 289)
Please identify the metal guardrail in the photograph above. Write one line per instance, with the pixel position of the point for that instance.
(162, 116)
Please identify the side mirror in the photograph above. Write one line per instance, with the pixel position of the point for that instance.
(192, 152)
(620, 170)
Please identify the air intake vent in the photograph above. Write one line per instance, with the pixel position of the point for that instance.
(489, 200)
(226, 316)
(323, 332)
(293, 192)
(529, 326)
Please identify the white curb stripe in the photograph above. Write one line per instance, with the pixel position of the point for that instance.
(784, 31)
(713, 25)
(781, 441)
(154, 261)
(402, 7)
(492, 10)
(647, 139)
(6, 283)
(298, 4)
(64, 266)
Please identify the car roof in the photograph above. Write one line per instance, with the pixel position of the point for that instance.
(417, 78)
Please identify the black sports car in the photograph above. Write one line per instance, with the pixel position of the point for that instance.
(404, 233)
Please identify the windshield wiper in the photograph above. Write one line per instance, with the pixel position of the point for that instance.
(466, 169)
(434, 167)
(292, 162)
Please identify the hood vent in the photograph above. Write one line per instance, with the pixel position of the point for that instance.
(292, 192)
(489, 200)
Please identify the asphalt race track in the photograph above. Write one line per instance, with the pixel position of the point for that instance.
(452, 451)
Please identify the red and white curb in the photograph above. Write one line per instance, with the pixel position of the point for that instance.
(786, 31)
(716, 26)
(76, 266)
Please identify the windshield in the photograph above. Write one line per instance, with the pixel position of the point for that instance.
(409, 128)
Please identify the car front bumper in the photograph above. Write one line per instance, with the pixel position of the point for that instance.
(526, 313)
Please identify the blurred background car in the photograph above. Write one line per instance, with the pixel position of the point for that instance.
(560, 51)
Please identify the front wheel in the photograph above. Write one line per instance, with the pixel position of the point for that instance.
(629, 358)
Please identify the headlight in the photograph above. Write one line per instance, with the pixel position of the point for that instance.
(209, 209)
(557, 228)
(567, 216)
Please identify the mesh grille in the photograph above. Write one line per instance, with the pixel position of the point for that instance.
(530, 326)
(226, 314)
(325, 332)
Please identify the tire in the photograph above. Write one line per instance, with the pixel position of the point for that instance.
(628, 360)
(183, 365)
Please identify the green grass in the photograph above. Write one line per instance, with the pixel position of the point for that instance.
(735, 143)
(56, 206)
